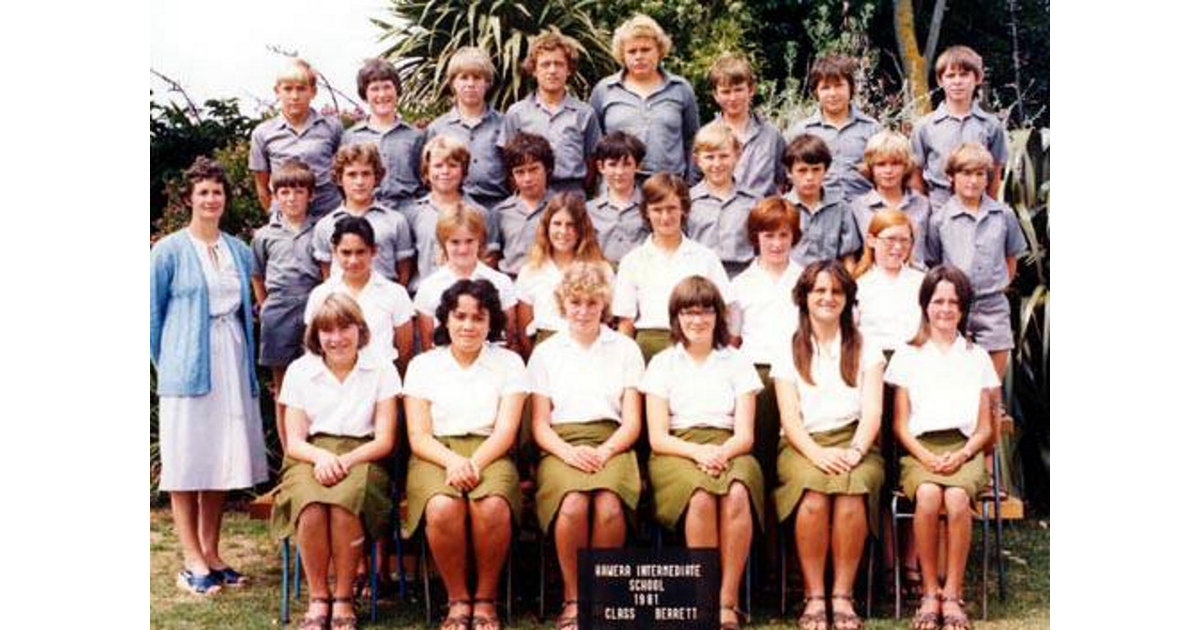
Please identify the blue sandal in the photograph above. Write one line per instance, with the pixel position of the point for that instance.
(230, 577)
(206, 584)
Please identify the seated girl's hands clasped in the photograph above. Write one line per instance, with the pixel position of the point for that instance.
(462, 474)
(328, 469)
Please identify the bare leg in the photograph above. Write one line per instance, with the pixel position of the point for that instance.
(446, 532)
(212, 508)
(812, 545)
(491, 534)
(346, 545)
(185, 511)
(700, 521)
(958, 546)
(312, 537)
(570, 534)
(736, 532)
(925, 531)
(608, 520)
(849, 535)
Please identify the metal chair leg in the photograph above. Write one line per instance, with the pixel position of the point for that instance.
(871, 573)
(986, 509)
(897, 555)
(373, 567)
(542, 576)
(508, 588)
(746, 579)
(285, 562)
(297, 567)
(783, 564)
(424, 562)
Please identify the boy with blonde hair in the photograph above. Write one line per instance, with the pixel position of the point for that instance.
(720, 204)
(298, 132)
(888, 164)
(760, 168)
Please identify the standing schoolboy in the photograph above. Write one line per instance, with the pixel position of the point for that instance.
(827, 227)
(283, 273)
(958, 120)
(980, 236)
(529, 160)
(888, 164)
(358, 169)
(475, 123)
(399, 142)
(720, 205)
(840, 123)
(297, 132)
(569, 124)
(615, 212)
(760, 167)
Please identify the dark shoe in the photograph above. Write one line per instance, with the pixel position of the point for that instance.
(207, 584)
(231, 577)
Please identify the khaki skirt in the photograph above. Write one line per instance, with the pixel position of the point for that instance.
(426, 480)
(651, 341)
(556, 478)
(675, 479)
(971, 476)
(364, 492)
(798, 473)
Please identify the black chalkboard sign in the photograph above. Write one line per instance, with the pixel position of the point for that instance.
(669, 589)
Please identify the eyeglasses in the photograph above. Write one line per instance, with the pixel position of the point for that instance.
(894, 241)
(699, 311)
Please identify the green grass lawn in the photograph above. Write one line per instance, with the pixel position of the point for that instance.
(246, 545)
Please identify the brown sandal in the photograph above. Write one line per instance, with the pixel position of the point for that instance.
(316, 623)
(456, 622)
(814, 621)
(738, 616)
(955, 621)
(349, 622)
(844, 620)
(485, 622)
(568, 622)
(927, 620)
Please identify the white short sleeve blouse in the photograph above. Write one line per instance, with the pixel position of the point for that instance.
(703, 394)
(828, 403)
(465, 401)
(341, 408)
(943, 387)
(585, 384)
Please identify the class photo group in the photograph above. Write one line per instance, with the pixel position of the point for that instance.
(711, 329)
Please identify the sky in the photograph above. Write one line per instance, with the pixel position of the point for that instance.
(219, 48)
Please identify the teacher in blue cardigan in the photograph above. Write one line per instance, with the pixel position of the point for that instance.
(202, 346)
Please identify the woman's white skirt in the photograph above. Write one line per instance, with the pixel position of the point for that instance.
(215, 441)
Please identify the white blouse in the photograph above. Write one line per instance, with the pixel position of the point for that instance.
(889, 314)
(536, 286)
(585, 384)
(943, 387)
(647, 275)
(385, 306)
(769, 317)
(829, 403)
(429, 296)
(465, 401)
(342, 408)
(703, 394)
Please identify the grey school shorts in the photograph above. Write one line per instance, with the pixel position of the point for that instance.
(990, 322)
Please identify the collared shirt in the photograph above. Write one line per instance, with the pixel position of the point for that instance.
(769, 317)
(915, 205)
(423, 215)
(648, 274)
(274, 142)
(720, 224)
(666, 121)
(829, 403)
(283, 257)
(333, 407)
(847, 145)
(400, 147)
(619, 228)
(430, 294)
(515, 226)
(978, 243)
(465, 401)
(827, 233)
(943, 387)
(760, 169)
(535, 287)
(585, 384)
(889, 314)
(385, 306)
(938, 133)
(393, 237)
(486, 177)
(572, 131)
(700, 394)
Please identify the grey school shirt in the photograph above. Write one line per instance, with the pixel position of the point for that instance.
(400, 147)
(393, 237)
(978, 243)
(847, 145)
(915, 205)
(666, 121)
(515, 226)
(619, 228)
(571, 129)
(423, 215)
(314, 143)
(720, 224)
(938, 133)
(283, 258)
(826, 233)
(760, 169)
(486, 177)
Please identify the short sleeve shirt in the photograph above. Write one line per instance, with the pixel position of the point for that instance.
(720, 224)
(535, 286)
(760, 169)
(585, 383)
(341, 408)
(283, 257)
(465, 401)
(889, 314)
(938, 133)
(423, 214)
(943, 387)
(847, 144)
(393, 237)
(385, 306)
(430, 294)
(704, 394)
(571, 129)
(648, 274)
(619, 228)
(486, 177)
(828, 403)
(515, 225)
(769, 317)
(913, 204)
(827, 233)
(978, 243)
(314, 143)
(666, 121)
(400, 147)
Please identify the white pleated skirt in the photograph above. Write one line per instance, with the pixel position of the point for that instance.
(215, 441)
